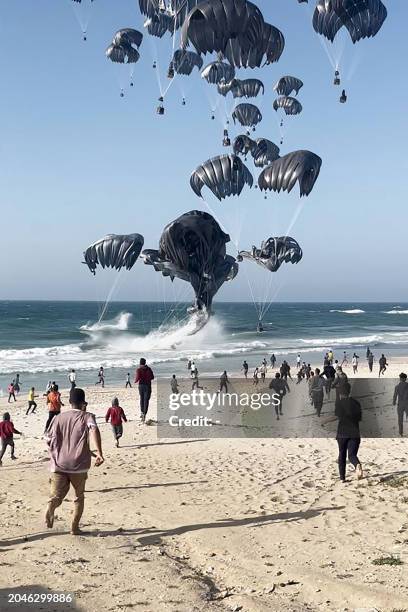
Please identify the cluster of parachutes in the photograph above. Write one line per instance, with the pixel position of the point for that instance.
(193, 246)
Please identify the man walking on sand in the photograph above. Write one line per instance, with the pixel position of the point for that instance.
(144, 377)
(70, 454)
(400, 400)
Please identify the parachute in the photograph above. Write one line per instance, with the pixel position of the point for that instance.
(224, 175)
(362, 18)
(273, 252)
(264, 152)
(217, 72)
(283, 173)
(247, 114)
(267, 49)
(158, 25)
(243, 145)
(248, 88)
(287, 84)
(114, 251)
(211, 23)
(192, 248)
(291, 106)
(128, 36)
(184, 62)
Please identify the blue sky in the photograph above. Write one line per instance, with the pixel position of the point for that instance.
(78, 161)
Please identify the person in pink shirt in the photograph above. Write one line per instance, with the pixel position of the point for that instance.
(7, 430)
(68, 439)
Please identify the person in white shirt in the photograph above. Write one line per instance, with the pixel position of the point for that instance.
(298, 361)
(72, 379)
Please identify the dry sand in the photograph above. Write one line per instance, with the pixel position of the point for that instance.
(184, 525)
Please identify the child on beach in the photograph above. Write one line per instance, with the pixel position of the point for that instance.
(32, 405)
(7, 430)
(116, 415)
(12, 392)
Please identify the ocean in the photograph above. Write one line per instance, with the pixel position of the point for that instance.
(44, 340)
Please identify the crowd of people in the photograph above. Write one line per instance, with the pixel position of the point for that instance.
(70, 433)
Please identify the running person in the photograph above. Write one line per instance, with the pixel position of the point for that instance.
(348, 412)
(382, 362)
(54, 405)
(115, 414)
(280, 386)
(11, 392)
(245, 368)
(32, 405)
(7, 430)
(144, 377)
(400, 400)
(224, 382)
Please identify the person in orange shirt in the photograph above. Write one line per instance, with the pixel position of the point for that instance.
(54, 404)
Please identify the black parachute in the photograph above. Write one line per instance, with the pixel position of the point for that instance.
(362, 18)
(124, 47)
(247, 114)
(224, 175)
(287, 84)
(192, 248)
(184, 62)
(247, 88)
(218, 72)
(264, 152)
(290, 105)
(268, 49)
(212, 23)
(283, 173)
(114, 251)
(158, 24)
(273, 252)
(243, 145)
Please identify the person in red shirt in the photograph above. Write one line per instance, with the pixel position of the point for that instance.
(116, 415)
(144, 377)
(7, 430)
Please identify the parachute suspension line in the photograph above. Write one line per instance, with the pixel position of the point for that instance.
(110, 295)
(295, 217)
(234, 237)
(172, 54)
(82, 12)
(156, 66)
(256, 304)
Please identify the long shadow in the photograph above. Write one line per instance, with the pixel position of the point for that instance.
(389, 475)
(147, 486)
(154, 536)
(164, 443)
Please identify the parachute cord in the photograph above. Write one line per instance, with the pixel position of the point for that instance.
(110, 294)
(82, 13)
(155, 57)
(172, 55)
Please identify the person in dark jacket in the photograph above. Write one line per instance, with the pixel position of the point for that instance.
(348, 412)
(339, 382)
(316, 390)
(382, 362)
(280, 387)
(144, 377)
(330, 374)
(400, 400)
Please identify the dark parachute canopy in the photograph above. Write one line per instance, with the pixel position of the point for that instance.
(211, 23)
(124, 47)
(192, 248)
(247, 88)
(362, 18)
(282, 174)
(184, 62)
(291, 106)
(264, 152)
(243, 145)
(224, 175)
(267, 49)
(273, 252)
(247, 115)
(218, 72)
(287, 84)
(158, 25)
(114, 251)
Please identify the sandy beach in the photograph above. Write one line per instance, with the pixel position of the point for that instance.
(208, 524)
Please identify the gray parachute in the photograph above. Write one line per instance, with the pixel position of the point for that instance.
(114, 251)
(264, 152)
(283, 173)
(224, 175)
(287, 84)
(247, 88)
(243, 145)
(212, 23)
(184, 61)
(192, 248)
(158, 25)
(268, 49)
(247, 114)
(273, 252)
(124, 47)
(218, 72)
(362, 18)
(291, 106)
